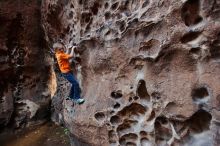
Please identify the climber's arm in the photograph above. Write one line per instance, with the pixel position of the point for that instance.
(72, 50)
(69, 53)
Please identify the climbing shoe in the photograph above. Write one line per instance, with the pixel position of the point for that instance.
(80, 101)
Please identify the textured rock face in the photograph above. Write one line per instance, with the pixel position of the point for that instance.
(24, 94)
(149, 70)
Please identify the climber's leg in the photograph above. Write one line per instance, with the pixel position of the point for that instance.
(71, 94)
(75, 90)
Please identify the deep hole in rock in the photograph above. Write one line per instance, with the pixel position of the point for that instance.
(99, 116)
(86, 17)
(108, 124)
(67, 30)
(106, 5)
(130, 136)
(162, 120)
(71, 15)
(117, 105)
(81, 2)
(126, 125)
(143, 134)
(112, 112)
(162, 129)
(142, 90)
(146, 3)
(195, 50)
(116, 94)
(190, 12)
(133, 109)
(107, 15)
(114, 6)
(108, 33)
(200, 121)
(215, 48)
(122, 141)
(130, 99)
(171, 107)
(215, 52)
(95, 8)
(199, 93)
(190, 36)
(115, 120)
(135, 97)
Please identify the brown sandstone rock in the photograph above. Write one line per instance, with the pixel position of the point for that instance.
(149, 70)
(24, 71)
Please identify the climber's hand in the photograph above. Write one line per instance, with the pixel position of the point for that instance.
(72, 50)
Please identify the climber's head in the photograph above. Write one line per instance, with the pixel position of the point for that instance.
(58, 47)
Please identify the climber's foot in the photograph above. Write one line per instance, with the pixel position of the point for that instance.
(80, 101)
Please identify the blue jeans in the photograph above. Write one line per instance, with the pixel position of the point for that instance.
(75, 90)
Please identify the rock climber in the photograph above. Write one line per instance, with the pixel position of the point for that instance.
(63, 57)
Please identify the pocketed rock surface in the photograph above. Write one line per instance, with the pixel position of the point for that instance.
(148, 70)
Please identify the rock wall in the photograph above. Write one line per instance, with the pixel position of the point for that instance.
(149, 70)
(25, 68)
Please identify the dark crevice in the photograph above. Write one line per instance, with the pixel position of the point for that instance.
(199, 93)
(215, 48)
(200, 121)
(115, 120)
(190, 37)
(195, 50)
(114, 6)
(133, 109)
(99, 116)
(142, 90)
(146, 3)
(116, 94)
(117, 105)
(95, 8)
(107, 15)
(190, 12)
(85, 18)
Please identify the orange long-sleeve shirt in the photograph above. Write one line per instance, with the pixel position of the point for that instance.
(63, 61)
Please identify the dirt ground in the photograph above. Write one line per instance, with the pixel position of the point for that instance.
(47, 134)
